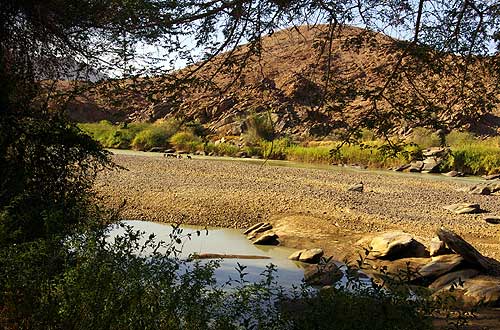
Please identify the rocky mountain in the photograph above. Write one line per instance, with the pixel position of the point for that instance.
(309, 86)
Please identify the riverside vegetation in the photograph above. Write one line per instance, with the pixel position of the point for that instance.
(469, 154)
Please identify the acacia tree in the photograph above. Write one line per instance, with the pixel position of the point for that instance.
(47, 165)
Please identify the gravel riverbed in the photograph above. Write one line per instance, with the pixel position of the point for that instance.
(313, 202)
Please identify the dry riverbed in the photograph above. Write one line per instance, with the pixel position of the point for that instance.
(309, 207)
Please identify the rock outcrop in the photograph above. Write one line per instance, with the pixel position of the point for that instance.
(463, 208)
(455, 268)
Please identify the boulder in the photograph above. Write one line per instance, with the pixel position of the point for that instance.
(416, 166)
(311, 256)
(464, 249)
(431, 165)
(404, 268)
(463, 208)
(241, 154)
(493, 219)
(156, 149)
(356, 187)
(296, 255)
(390, 244)
(268, 238)
(434, 151)
(480, 190)
(478, 290)
(437, 247)
(482, 290)
(326, 274)
(440, 265)
(446, 280)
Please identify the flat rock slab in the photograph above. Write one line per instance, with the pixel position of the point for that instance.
(431, 165)
(453, 174)
(463, 208)
(445, 281)
(258, 228)
(356, 187)
(493, 219)
(326, 274)
(311, 256)
(463, 248)
(416, 166)
(267, 239)
(491, 176)
(389, 244)
(402, 168)
(479, 290)
(482, 290)
(434, 151)
(440, 265)
(480, 190)
(405, 268)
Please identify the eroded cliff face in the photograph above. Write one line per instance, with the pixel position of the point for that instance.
(308, 86)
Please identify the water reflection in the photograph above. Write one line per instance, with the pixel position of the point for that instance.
(226, 241)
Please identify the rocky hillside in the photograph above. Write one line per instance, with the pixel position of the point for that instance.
(309, 87)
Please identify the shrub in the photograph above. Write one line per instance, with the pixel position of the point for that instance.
(222, 149)
(320, 154)
(457, 139)
(186, 141)
(259, 127)
(168, 126)
(149, 138)
(425, 138)
(277, 149)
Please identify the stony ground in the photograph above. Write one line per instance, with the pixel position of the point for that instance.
(309, 206)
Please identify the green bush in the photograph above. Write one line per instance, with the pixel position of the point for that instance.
(424, 138)
(222, 149)
(320, 154)
(276, 149)
(149, 138)
(259, 127)
(124, 136)
(457, 139)
(186, 141)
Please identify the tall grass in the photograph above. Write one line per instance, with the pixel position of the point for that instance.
(471, 155)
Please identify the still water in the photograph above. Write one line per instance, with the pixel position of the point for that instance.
(227, 241)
